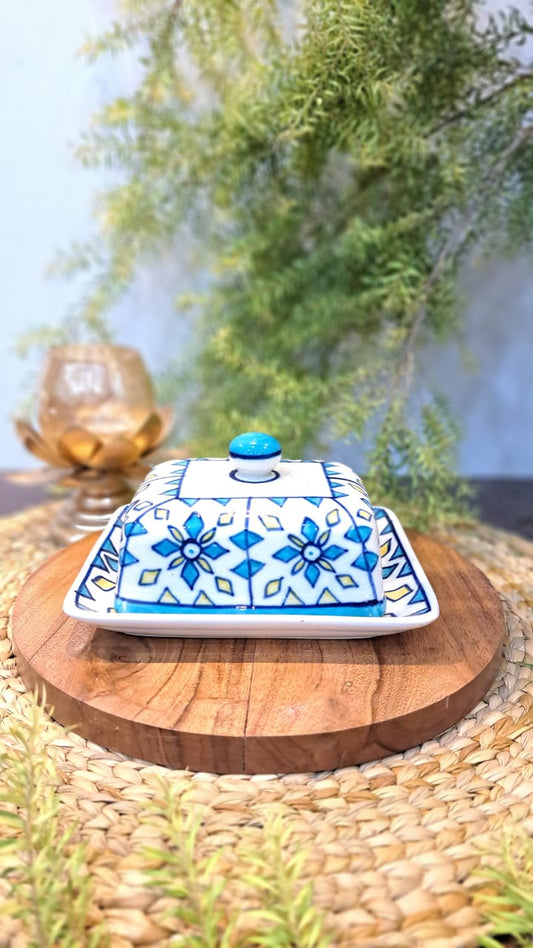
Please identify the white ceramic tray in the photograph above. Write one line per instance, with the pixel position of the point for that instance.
(411, 602)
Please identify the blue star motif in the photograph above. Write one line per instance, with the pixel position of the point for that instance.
(194, 549)
(310, 551)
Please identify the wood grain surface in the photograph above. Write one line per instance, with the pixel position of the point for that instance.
(261, 705)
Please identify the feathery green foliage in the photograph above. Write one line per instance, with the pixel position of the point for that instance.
(49, 886)
(200, 886)
(336, 161)
(193, 882)
(287, 917)
(508, 911)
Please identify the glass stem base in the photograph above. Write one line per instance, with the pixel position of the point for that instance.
(89, 508)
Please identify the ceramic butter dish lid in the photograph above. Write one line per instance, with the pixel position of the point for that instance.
(250, 533)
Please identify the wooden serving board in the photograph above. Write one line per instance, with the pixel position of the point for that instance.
(261, 705)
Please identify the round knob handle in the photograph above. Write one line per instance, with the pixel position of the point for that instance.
(256, 455)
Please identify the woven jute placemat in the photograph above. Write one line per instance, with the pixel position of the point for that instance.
(393, 845)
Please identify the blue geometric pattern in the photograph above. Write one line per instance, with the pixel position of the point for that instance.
(245, 539)
(402, 588)
(405, 595)
(250, 547)
(311, 551)
(343, 481)
(248, 568)
(134, 529)
(192, 548)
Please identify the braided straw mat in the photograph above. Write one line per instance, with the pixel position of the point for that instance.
(393, 845)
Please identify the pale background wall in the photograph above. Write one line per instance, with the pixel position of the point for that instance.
(48, 95)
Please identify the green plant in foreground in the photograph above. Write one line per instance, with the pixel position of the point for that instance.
(194, 883)
(508, 907)
(45, 870)
(50, 887)
(200, 886)
(336, 163)
(287, 917)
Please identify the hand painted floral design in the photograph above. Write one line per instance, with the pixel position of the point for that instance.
(310, 551)
(194, 549)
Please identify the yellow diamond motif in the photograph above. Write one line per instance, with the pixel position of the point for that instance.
(291, 599)
(104, 583)
(385, 547)
(273, 587)
(271, 522)
(224, 586)
(169, 598)
(398, 593)
(364, 514)
(149, 577)
(333, 517)
(327, 598)
(346, 580)
(160, 513)
(202, 600)
(225, 519)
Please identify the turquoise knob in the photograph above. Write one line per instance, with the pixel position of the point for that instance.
(256, 455)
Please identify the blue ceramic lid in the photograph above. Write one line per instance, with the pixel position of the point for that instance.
(254, 444)
(251, 533)
(256, 456)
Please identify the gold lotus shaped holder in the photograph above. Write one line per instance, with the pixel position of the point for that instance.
(97, 418)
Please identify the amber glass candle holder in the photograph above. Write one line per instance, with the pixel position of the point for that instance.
(96, 416)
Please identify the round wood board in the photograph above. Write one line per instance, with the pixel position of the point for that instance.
(261, 705)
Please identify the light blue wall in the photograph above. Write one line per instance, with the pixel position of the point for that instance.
(47, 198)
(494, 397)
(48, 95)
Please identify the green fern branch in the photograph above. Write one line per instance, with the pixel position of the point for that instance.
(192, 881)
(506, 899)
(203, 887)
(287, 917)
(45, 869)
(336, 162)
